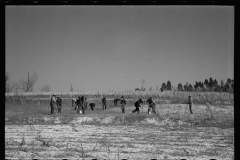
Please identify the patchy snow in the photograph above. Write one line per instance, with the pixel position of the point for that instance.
(46, 119)
(107, 119)
(111, 142)
(79, 120)
(167, 135)
(57, 120)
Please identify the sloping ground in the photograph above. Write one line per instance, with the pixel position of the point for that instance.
(147, 139)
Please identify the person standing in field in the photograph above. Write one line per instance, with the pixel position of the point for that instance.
(190, 104)
(104, 103)
(53, 103)
(82, 103)
(137, 105)
(59, 102)
(151, 105)
(85, 103)
(123, 104)
(74, 103)
(115, 101)
(78, 103)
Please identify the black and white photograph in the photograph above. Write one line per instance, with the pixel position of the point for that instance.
(119, 82)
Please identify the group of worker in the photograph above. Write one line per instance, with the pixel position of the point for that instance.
(151, 105)
(81, 104)
(56, 104)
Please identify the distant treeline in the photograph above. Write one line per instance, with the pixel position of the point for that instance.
(206, 86)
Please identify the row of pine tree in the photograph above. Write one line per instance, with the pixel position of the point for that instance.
(206, 86)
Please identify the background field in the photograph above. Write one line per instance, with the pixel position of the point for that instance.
(31, 132)
(172, 96)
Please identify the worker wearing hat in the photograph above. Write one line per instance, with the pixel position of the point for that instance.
(151, 105)
(52, 102)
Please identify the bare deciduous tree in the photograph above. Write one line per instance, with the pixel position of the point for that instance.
(7, 82)
(71, 88)
(15, 87)
(27, 85)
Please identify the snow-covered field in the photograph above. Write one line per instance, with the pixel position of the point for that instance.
(172, 134)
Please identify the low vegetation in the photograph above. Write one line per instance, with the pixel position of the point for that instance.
(170, 96)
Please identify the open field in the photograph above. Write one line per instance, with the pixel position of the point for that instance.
(31, 132)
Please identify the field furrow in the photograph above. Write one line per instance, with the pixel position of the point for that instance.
(112, 142)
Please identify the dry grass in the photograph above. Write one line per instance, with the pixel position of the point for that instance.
(174, 96)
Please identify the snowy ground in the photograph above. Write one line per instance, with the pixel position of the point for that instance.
(169, 135)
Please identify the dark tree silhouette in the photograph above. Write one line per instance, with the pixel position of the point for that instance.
(206, 84)
(180, 87)
(210, 83)
(226, 87)
(215, 84)
(186, 87)
(229, 81)
(7, 82)
(164, 86)
(196, 85)
(169, 86)
(222, 85)
(190, 87)
(218, 88)
(27, 85)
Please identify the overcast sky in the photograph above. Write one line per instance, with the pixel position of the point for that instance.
(114, 47)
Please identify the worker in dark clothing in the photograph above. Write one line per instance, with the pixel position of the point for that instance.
(123, 104)
(104, 103)
(115, 101)
(74, 103)
(53, 103)
(137, 105)
(78, 102)
(92, 106)
(83, 101)
(151, 105)
(59, 103)
(190, 104)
